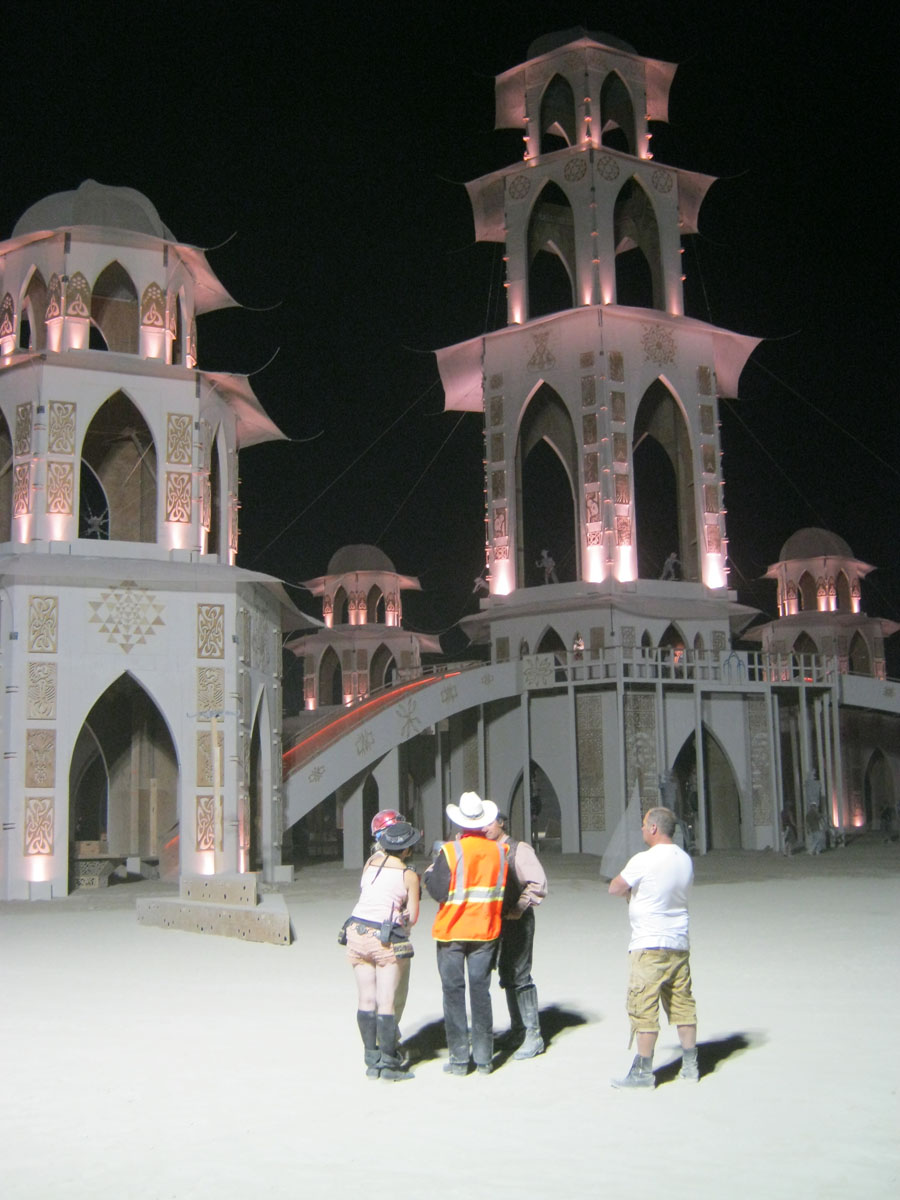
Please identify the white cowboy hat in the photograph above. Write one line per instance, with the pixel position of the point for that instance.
(472, 812)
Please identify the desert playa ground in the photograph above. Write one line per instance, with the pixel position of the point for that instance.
(145, 1063)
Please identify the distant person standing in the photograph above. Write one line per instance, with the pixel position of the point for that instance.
(815, 830)
(526, 887)
(656, 884)
(468, 879)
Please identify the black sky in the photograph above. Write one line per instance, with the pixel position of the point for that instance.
(332, 142)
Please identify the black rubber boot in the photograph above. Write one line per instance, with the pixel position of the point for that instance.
(533, 1043)
(640, 1076)
(368, 1031)
(392, 1068)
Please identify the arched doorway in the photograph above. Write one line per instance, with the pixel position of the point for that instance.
(617, 115)
(639, 276)
(721, 799)
(123, 778)
(546, 817)
(115, 311)
(663, 486)
(546, 471)
(878, 790)
(330, 678)
(119, 453)
(551, 253)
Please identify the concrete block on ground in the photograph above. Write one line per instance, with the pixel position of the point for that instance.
(220, 889)
(283, 873)
(268, 921)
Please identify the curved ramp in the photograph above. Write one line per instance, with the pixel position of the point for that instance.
(332, 755)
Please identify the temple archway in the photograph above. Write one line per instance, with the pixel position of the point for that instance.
(551, 253)
(546, 468)
(639, 275)
(617, 115)
(664, 504)
(721, 800)
(546, 815)
(6, 481)
(115, 310)
(557, 123)
(330, 678)
(118, 449)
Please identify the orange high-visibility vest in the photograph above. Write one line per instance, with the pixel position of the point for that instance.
(472, 911)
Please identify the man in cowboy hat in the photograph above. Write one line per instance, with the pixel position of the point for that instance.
(468, 879)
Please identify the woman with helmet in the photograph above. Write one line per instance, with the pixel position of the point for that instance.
(388, 899)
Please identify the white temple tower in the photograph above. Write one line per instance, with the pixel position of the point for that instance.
(140, 667)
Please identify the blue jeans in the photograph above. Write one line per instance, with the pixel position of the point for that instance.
(516, 947)
(452, 960)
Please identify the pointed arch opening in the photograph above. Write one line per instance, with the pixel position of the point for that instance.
(6, 481)
(617, 124)
(339, 607)
(375, 608)
(546, 814)
(123, 778)
(118, 449)
(807, 593)
(32, 327)
(860, 660)
(546, 475)
(842, 587)
(673, 641)
(214, 538)
(371, 803)
(721, 799)
(330, 678)
(551, 253)
(878, 792)
(381, 669)
(115, 310)
(258, 785)
(178, 339)
(664, 505)
(639, 276)
(557, 121)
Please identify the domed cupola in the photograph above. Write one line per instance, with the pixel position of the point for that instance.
(817, 572)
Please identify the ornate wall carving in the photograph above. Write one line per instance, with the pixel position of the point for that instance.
(40, 758)
(40, 704)
(24, 418)
(210, 631)
(43, 624)
(22, 490)
(208, 807)
(178, 496)
(210, 690)
(61, 427)
(591, 784)
(179, 438)
(38, 825)
(128, 615)
(760, 762)
(205, 766)
(60, 487)
(640, 748)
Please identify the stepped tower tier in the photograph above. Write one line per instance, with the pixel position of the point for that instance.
(600, 396)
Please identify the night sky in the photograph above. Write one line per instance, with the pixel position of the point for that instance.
(323, 149)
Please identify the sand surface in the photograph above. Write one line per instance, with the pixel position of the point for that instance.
(145, 1063)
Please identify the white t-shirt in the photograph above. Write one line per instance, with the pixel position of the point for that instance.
(660, 879)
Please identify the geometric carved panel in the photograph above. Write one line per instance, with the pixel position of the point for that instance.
(210, 631)
(758, 729)
(128, 616)
(22, 490)
(178, 496)
(43, 616)
(640, 748)
(61, 427)
(179, 430)
(38, 824)
(41, 702)
(707, 422)
(40, 758)
(60, 487)
(205, 765)
(22, 443)
(209, 822)
(589, 739)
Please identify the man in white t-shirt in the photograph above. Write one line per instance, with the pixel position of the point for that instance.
(656, 884)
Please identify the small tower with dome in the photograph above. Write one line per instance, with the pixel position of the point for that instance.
(141, 700)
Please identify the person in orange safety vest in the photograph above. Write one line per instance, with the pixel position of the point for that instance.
(468, 879)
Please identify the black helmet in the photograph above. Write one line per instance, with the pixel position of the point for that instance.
(399, 836)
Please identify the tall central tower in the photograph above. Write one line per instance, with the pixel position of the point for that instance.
(599, 396)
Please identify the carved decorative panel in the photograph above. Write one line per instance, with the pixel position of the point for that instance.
(500, 527)
(592, 508)
(589, 429)
(710, 498)
(501, 553)
(54, 298)
(608, 168)
(586, 360)
(719, 641)
(518, 186)
(60, 487)
(662, 181)
(43, 624)
(78, 296)
(623, 531)
(206, 502)
(594, 537)
(708, 455)
(496, 381)
(640, 748)
(760, 763)
(713, 539)
(575, 169)
(153, 307)
(38, 825)
(179, 438)
(707, 421)
(205, 765)
(620, 447)
(41, 698)
(24, 418)
(61, 427)
(496, 405)
(591, 467)
(128, 615)
(498, 485)
(617, 405)
(209, 808)
(617, 366)
(588, 391)
(589, 739)
(7, 316)
(210, 690)
(40, 758)
(178, 496)
(210, 631)
(659, 345)
(22, 490)
(542, 356)
(498, 447)
(623, 489)
(704, 381)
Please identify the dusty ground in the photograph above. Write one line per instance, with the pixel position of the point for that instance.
(144, 1063)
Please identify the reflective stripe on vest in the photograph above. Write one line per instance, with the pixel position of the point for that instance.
(472, 911)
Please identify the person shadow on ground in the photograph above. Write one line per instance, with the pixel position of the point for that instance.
(710, 1054)
(426, 1043)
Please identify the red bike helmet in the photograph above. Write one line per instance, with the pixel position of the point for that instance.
(385, 818)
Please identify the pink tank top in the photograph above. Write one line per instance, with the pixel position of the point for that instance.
(383, 893)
